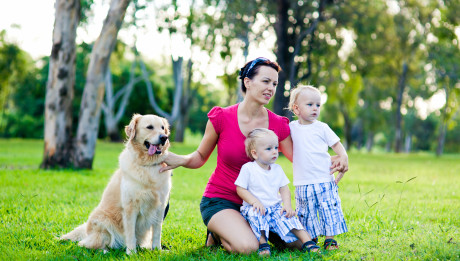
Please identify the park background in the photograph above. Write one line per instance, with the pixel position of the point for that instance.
(389, 71)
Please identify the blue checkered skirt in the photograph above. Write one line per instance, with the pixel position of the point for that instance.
(319, 209)
(272, 221)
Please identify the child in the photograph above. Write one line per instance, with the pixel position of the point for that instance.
(316, 190)
(258, 185)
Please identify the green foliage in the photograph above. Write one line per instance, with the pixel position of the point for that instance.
(397, 207)
(355, 54)
(19, 91)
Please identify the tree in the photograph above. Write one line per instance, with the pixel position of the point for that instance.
(60, 86)
(296, 32)
(444, 54)
(112, 112)
(93, 94)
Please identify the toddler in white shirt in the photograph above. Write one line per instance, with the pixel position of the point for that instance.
(260, 184)
(317, 199)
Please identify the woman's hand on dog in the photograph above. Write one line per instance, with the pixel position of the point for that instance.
(172, 161)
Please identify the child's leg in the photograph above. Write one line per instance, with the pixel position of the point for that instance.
(263, 239)
(307, 209)
(264, 247)
(302, 235)
(307, 244)
(330, 213)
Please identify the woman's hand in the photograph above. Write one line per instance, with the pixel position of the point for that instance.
(173, 161)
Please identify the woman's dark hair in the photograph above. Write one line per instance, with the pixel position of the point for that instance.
(251, 68)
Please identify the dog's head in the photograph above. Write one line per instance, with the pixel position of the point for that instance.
(148, 133)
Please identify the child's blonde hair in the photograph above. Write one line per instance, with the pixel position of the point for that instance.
(296, 92)
(253, 136)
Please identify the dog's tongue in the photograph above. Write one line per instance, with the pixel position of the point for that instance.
(152, 149)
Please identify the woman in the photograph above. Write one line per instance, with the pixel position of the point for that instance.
(227, 128)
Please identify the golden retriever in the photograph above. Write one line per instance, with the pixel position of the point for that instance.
(133, 203)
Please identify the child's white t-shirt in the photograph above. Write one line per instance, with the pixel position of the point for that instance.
(311, 160)
(263, 184)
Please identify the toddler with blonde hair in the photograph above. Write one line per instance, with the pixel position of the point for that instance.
(263, 185)
(316, 191)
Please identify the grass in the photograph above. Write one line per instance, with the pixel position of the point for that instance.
(397, 207)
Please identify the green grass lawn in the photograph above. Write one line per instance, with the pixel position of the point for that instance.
(397, 207)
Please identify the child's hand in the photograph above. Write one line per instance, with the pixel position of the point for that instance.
(339, 177)
(259, 207)
(339, 164)
(289, 211)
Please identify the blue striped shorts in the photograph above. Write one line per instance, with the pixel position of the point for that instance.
(319, 209)
(272, 221)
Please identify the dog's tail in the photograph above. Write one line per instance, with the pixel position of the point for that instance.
(78, 234)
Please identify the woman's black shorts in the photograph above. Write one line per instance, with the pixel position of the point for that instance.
(210, 206)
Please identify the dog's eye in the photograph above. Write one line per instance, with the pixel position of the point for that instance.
(162, 127)
(150, 127)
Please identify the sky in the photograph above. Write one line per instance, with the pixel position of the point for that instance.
(36, 20)
(32, 27)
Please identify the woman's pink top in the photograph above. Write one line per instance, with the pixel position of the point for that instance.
(231, 154)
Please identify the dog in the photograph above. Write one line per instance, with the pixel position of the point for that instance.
(132, 207)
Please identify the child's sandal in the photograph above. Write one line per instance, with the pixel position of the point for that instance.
(330, 244)
(264, 247)
(310, 246)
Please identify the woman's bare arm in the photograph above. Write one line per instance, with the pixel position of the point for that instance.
(197, 158)
(286, 147)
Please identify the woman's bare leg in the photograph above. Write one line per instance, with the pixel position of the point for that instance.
(234, 232)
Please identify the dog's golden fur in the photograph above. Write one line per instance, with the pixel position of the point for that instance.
(133, 203)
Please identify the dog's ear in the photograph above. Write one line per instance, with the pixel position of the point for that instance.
(166, 125)
(130, 129)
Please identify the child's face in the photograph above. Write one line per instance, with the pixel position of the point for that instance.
(266, 150)
(307, 106)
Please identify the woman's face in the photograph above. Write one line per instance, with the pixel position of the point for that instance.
(263, 85)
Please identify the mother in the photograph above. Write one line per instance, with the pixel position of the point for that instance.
(227, 128)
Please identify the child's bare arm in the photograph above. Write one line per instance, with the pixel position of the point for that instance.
(251, 199)
(342, 160)
(286, 198)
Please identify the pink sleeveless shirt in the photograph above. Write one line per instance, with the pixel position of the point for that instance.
(231, 153)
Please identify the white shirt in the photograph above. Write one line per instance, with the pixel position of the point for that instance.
(263, 184)
(311, 160)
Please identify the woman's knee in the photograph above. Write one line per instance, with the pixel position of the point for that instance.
(242, 246)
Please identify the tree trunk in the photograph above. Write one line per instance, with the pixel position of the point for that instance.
(113, 115)
(443, 126)
(347, 128)
(108, 108)
(90, 108)
(182, 119)
(283, 56)
(408, 143)
(401, 87)
(60, 86)
(370, 141)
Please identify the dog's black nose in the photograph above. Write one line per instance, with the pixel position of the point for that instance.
(163, 139)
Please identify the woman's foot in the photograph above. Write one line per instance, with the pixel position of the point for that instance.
(211, 239)
(330, 244)
(264, 250)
